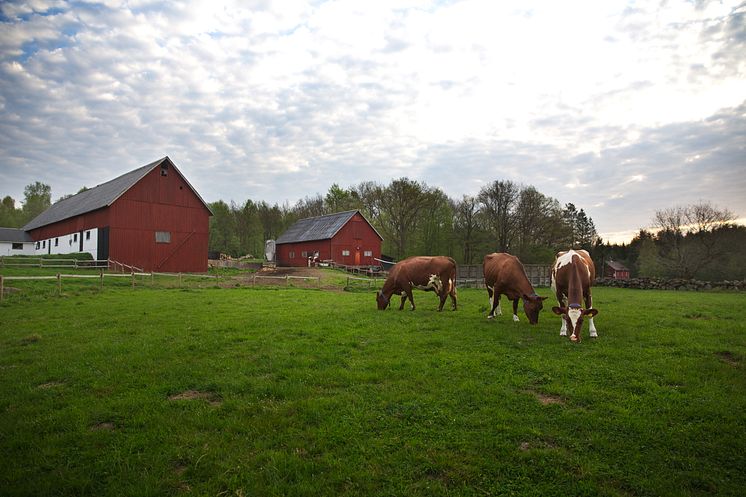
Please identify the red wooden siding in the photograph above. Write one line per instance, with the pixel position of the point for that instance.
(356, 236)
(155, 203)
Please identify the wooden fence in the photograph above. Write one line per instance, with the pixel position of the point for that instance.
(59, 277)
(472, 275)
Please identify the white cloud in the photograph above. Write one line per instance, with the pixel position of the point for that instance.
(276, 100)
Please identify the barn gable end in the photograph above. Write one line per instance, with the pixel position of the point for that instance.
(345, 238)
(150, 218)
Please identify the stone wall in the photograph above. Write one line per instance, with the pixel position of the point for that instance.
(671, 284)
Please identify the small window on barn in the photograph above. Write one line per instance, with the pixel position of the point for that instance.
(87, 235)
(162, 237)
(37, 245)
(304, 253)
(164, 169)
(17, 246)
(368, 253)
(56, 242)
(75, 237)
(291, 255)
(44, 244)
(345, 253)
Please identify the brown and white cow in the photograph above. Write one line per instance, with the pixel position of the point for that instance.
(573, 273)
(505, 275)
(436, 274)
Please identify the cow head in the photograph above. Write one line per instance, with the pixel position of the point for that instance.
(382, 301)
(573, 316)
(532, 304)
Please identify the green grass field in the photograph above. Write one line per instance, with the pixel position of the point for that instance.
(245, 391)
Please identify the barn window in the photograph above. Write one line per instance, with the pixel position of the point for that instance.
(56, 242)
(44, 244)
(162, 237)
(164, 169)
(345, 253)
(17, 246)
(37, 245)
(75, 237)
(291, 255)
(87, 235)
(304, 253)
(368, 253)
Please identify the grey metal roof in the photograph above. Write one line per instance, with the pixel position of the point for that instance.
(100, 196)
(317, 228)
(14, 235)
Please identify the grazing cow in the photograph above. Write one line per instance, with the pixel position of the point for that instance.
(436, 274)
(573, 273)
(504, 275)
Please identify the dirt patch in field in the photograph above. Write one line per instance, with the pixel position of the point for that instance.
(547, 399)
(210, 397)
(51, 384)
(105, 426)
(728, 358)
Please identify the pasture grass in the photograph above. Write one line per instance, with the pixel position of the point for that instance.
(249, 391)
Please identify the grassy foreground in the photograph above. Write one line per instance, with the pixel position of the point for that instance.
(305, 392)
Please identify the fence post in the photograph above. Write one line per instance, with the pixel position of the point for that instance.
(2, 288)
(151, 278)
(133, 279)
(253, 280)
(179, 280)
(75, 263)
(319, 279)
(287, 280)
(59, 285)
(102, 278)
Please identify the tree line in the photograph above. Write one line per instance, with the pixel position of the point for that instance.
(696, 241)
(414, 218)
(700, 241)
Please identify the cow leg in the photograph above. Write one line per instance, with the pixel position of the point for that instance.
(452, 293)
(589, 305)
(515, 310)
(411, 298)
(403, 299)
(442, 296)
(493, 303)
(561, 303)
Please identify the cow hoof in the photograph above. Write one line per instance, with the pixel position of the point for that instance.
(573, 338)
(594, 335)
(490, 316)
(563, 333)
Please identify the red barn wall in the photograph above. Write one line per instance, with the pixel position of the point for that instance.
(155, 203)
(356, 236)
(89, 220)
(283, 251)
(160, 203)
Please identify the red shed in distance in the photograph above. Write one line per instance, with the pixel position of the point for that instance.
(616, 270)
(150, 218)
(344, 238)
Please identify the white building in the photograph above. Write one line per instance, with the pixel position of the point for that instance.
(16, 242)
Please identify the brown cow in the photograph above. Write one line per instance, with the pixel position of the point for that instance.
(573, 273)
(504, 275)
(437, 274)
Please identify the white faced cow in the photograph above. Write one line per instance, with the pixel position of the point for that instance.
(505, 275)
(436, 274)
(572, 276)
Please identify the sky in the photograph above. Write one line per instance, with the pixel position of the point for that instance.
(620, 107)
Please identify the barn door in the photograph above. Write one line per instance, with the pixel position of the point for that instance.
(102, 253)
(357, 257)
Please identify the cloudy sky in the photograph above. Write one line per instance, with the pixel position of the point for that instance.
(621, 107)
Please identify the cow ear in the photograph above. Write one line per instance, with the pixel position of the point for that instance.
(559, 310)
(590, 312)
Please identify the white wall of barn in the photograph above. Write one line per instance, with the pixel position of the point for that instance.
(6, 248)
(70, 243)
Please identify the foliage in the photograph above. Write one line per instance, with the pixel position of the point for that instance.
(259, 392)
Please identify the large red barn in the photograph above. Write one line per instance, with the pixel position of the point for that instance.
(150, 218)
(345, 238)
